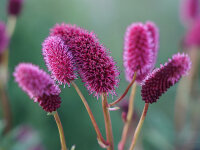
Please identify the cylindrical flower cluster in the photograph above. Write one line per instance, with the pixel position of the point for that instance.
(38, 85)
(58, 59)
(157, 82)
(93, 61)
(140, 50)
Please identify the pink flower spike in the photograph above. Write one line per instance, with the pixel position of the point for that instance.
(95, 66)
(192, 37)
(15, 7)
(158, 82)
(140, 50)
(154, 32)
(38, 85)
(4, 40)
(190, 11)
(58, 59)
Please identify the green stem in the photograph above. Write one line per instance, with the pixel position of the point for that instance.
(100, 138)
(128, 118)
(61, 132)
(139, 126)
(125, 92)
(108, 124)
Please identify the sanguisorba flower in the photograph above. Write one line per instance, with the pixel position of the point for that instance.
(38, 85)
(190, 10)
(3, 37)
(15, 7)
(154, 33)
(58, 59)
(140, 50)
(192, 37)
(157, 82)
(93, 61)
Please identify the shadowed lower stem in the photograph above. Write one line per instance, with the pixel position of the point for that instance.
(128, 118)
(61, 132)
(10, 27)
(6, 110)
(108, 124)
(125, 92)
(139, 126)
(100, 138)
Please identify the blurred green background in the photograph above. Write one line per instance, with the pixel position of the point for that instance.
(108, 19)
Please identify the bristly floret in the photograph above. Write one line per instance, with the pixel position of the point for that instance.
(38, 85)
(58, 59)
(154, 33)
(140, 50)
(3, 37)
(94, 64)
(157, 82)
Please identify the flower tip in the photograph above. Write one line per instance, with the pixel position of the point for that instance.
(58, 59)
(161, 79)
(140, 50)
(38, 85)
(15, 7)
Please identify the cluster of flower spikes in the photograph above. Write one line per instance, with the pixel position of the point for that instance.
(141, 44)
(38, 85)
(15, 7)
(158, 82)
(95, 66)
(190, 10)
(58, 59)
(4, 39)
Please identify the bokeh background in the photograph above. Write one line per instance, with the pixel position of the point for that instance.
(108, 19)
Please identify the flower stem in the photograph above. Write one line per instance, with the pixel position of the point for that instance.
(139, 126)
(11, 23)
(4, 77)
(125, 92)
(6, 110)
(61, 132)
(128, 118)
(108, 124)
(100, 138)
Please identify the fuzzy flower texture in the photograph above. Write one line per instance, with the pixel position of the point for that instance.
(3, 37)
(157, 82)
(58, 60)
(92, 60)
(38, 85)
(141, 43)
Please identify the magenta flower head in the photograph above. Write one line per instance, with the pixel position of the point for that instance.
(38, 85)
(93, 62)
(3, 37)
(140, 50)
(192, 38)
(15, 7)
(190, 10)
(157, 82)
(154, 33)
(58, 59)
